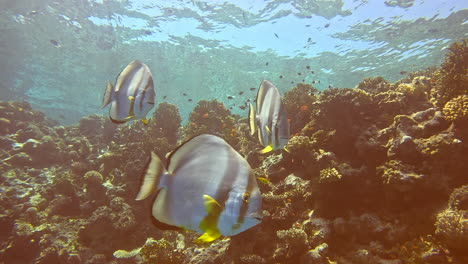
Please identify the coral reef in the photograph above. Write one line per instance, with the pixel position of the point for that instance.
(299, 104)
(452, 223)
(165, 123)
(211, 117)
(452, 77)
(372, 174)
(456, 109)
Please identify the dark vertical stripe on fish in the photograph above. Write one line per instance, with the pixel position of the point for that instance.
(229, 176)
(143, 93)
(271, 112)
(245, 206)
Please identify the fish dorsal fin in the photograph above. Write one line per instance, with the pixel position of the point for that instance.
(252, 120)
(107, 94)
(209, 224)
(173, 158)
(153, 171)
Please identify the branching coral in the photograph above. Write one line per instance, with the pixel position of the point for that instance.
(374, 85)
(299, 104)
(452, 78)
(165, 123)
(211, 117)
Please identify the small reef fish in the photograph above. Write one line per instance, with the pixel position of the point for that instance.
(54, 42)
(270, 118)
(132, 97)
(206, 186)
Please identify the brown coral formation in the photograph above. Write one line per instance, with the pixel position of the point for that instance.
(363, 179)
(452, 223)
(456, 109)
(211, 117)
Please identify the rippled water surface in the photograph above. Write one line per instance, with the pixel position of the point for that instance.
(57, 54)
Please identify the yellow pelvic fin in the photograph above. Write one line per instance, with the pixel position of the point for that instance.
(263, 180)
(209, 224)
(286, 149)
(266, 149)
(128, 118)
(131, 100)
(145, 121)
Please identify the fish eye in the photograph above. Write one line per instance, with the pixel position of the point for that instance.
(245, 197)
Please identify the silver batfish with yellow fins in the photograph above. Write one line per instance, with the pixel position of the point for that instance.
(132, 97)
(206, 187)
(270, 119)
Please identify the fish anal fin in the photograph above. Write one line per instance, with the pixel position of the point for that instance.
(209, 224)
(266, 149)
(144, 121)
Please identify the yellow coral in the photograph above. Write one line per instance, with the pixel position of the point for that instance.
(329, 175)
(456, 109)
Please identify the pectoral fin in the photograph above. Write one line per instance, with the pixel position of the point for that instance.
(209, 224)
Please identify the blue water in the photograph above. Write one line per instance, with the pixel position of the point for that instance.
(57, 55)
